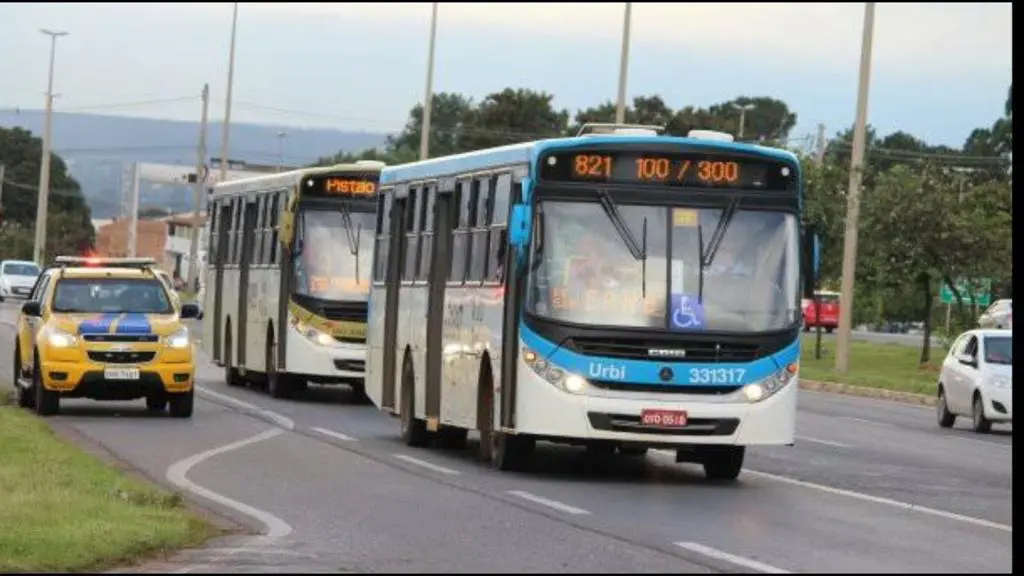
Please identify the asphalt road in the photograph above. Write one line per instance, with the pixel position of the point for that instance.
(871, 486)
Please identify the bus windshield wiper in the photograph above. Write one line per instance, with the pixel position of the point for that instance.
(718, 234)
(353, 236)
(612, 211)
(700, 263)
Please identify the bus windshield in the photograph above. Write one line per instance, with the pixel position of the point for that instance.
(336, 254)
(583, 272)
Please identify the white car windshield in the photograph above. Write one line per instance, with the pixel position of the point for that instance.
(20, 269)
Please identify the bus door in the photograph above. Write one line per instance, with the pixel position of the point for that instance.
(392, 281)
(223, 225)
(248, 228)
(438, 263)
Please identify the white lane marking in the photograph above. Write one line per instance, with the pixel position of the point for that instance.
(866, 421)
(549, 503)
(426, 465)
(954, 436)
(881, 500)
(333, 434)
(177, 474)
(732, 558)
(869, 498)
(825, 442)
(270, 551)
(278, 419)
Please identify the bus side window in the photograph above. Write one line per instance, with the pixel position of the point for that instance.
(232, 232)
(460, 236)
(478, 249)
(499, 217)
(411, 239)
(427, 235)
(380, 257)
(211, 227)
(276, 199)
(268, 229)
(257, 237)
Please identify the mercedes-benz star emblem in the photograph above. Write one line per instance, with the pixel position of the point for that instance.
(666, 374)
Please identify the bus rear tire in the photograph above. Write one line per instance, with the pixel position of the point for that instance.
(414, 430)
(722, 463)
(231, 377)
(278, 385)
(511, 452)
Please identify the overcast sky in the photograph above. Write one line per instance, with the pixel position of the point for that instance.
(939, 70)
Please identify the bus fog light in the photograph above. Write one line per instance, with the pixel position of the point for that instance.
(769, 386)
(753, 392)
(554, 375)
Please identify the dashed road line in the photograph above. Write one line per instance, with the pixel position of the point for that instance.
(275, 418)
(822, 442)
(333, 434)
(426, 465)
(549, 503)
(731, 558)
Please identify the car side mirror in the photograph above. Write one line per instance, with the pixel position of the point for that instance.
(968, 360)
(190, 311)
(32, 309)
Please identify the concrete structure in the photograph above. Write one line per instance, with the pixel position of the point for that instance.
(113, 238)
(179, 237)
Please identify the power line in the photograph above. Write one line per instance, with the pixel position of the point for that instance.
(129, 104)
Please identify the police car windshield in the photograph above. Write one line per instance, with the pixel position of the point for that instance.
(110, 296)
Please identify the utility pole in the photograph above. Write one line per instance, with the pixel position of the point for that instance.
(743, 108)
(3, 168)
(225, 136)
(133, 220)
(280, 151)
(853, 196)
(819, 145)
(197, 192)
(428, 99)
(620, 106)
(43, 199)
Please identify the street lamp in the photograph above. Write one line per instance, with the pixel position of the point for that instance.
(743, 108)
(42, 202)
(429, 97)
(853, 196)
(226, 128)
(620, 107)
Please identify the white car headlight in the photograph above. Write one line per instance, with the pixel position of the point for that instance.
(764, 389)
(1000, 381)
(62, 339)
(314, 335)
(571, 383)
(179, 339)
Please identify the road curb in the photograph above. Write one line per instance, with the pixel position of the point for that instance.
(868, 392)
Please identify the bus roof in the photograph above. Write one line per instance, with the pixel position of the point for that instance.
(525, 152)
(287, 179)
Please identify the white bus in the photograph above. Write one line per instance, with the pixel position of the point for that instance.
(287, 279)
(616, 291)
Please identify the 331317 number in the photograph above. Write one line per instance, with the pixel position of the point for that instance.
(717, 375)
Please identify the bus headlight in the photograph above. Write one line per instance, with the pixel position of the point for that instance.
(764, 389)
(179, 339)
(559, 378)
(314, 335)
(62, 339)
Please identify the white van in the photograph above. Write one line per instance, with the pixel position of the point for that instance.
(17, 278)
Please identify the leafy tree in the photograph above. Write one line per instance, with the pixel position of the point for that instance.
(511, 116)
(646, 110)
(449, 113)
(69, 226)
(389, 157)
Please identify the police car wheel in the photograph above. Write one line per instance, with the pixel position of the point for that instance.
(47, 402)
(181, 404)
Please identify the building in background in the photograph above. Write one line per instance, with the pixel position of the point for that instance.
(112, 239)
(179, 238)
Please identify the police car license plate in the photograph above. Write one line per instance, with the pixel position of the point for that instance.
(121, 373)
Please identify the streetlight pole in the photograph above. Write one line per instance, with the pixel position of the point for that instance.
(225, 135)
(853, 196)
(743, 108)
(429, 97)
(620, 107)
(42, 202)
(280, 151)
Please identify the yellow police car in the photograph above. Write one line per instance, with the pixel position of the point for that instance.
(105, 329)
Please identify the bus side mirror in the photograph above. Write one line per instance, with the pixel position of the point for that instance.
(519, 226)
(816, 239)
(811, 259)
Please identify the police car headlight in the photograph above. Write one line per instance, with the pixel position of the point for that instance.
(314, 335)
(556, 376)
(1000, 381)
(62, 339)
(179, 339)
(760, 391)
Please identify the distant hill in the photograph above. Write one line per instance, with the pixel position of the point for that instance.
(98, 147)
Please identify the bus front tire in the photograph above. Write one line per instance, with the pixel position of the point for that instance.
(511, 452)
(278, 385)
(722, 462)
(414, 430)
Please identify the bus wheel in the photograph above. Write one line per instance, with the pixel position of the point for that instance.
(278, 385)
(511, 451)
(451, 438)
(722, 462)
(633, 451)
(231, 377)
(414, 430)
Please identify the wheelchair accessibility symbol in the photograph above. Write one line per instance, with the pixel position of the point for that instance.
(687, 313)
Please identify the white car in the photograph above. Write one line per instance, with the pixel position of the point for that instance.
(17, 277)
(976, 379)
(998, 315)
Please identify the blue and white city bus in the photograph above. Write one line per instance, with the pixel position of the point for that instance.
(619, 291)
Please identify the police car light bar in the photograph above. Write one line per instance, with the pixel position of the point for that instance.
(105, 262)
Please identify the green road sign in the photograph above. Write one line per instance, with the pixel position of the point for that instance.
(978, 292)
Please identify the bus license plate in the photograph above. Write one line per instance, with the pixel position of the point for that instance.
(121, 373)
(666, 418)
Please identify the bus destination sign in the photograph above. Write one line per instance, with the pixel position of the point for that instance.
(341, 185)
(686, 170)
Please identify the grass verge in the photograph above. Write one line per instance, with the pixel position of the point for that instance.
(887, 366)
(62, 510)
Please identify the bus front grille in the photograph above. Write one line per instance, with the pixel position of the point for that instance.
(355, 312)
(659, 350)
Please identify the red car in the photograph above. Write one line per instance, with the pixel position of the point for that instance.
(829, 313)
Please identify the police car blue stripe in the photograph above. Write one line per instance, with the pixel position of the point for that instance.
(99, 325)
(647, 372)
(134, 323)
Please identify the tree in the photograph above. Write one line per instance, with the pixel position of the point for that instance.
(69, 226)
(389, 157)
(511, 116)
(449, 113)
(769, 121)
(646, 110)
